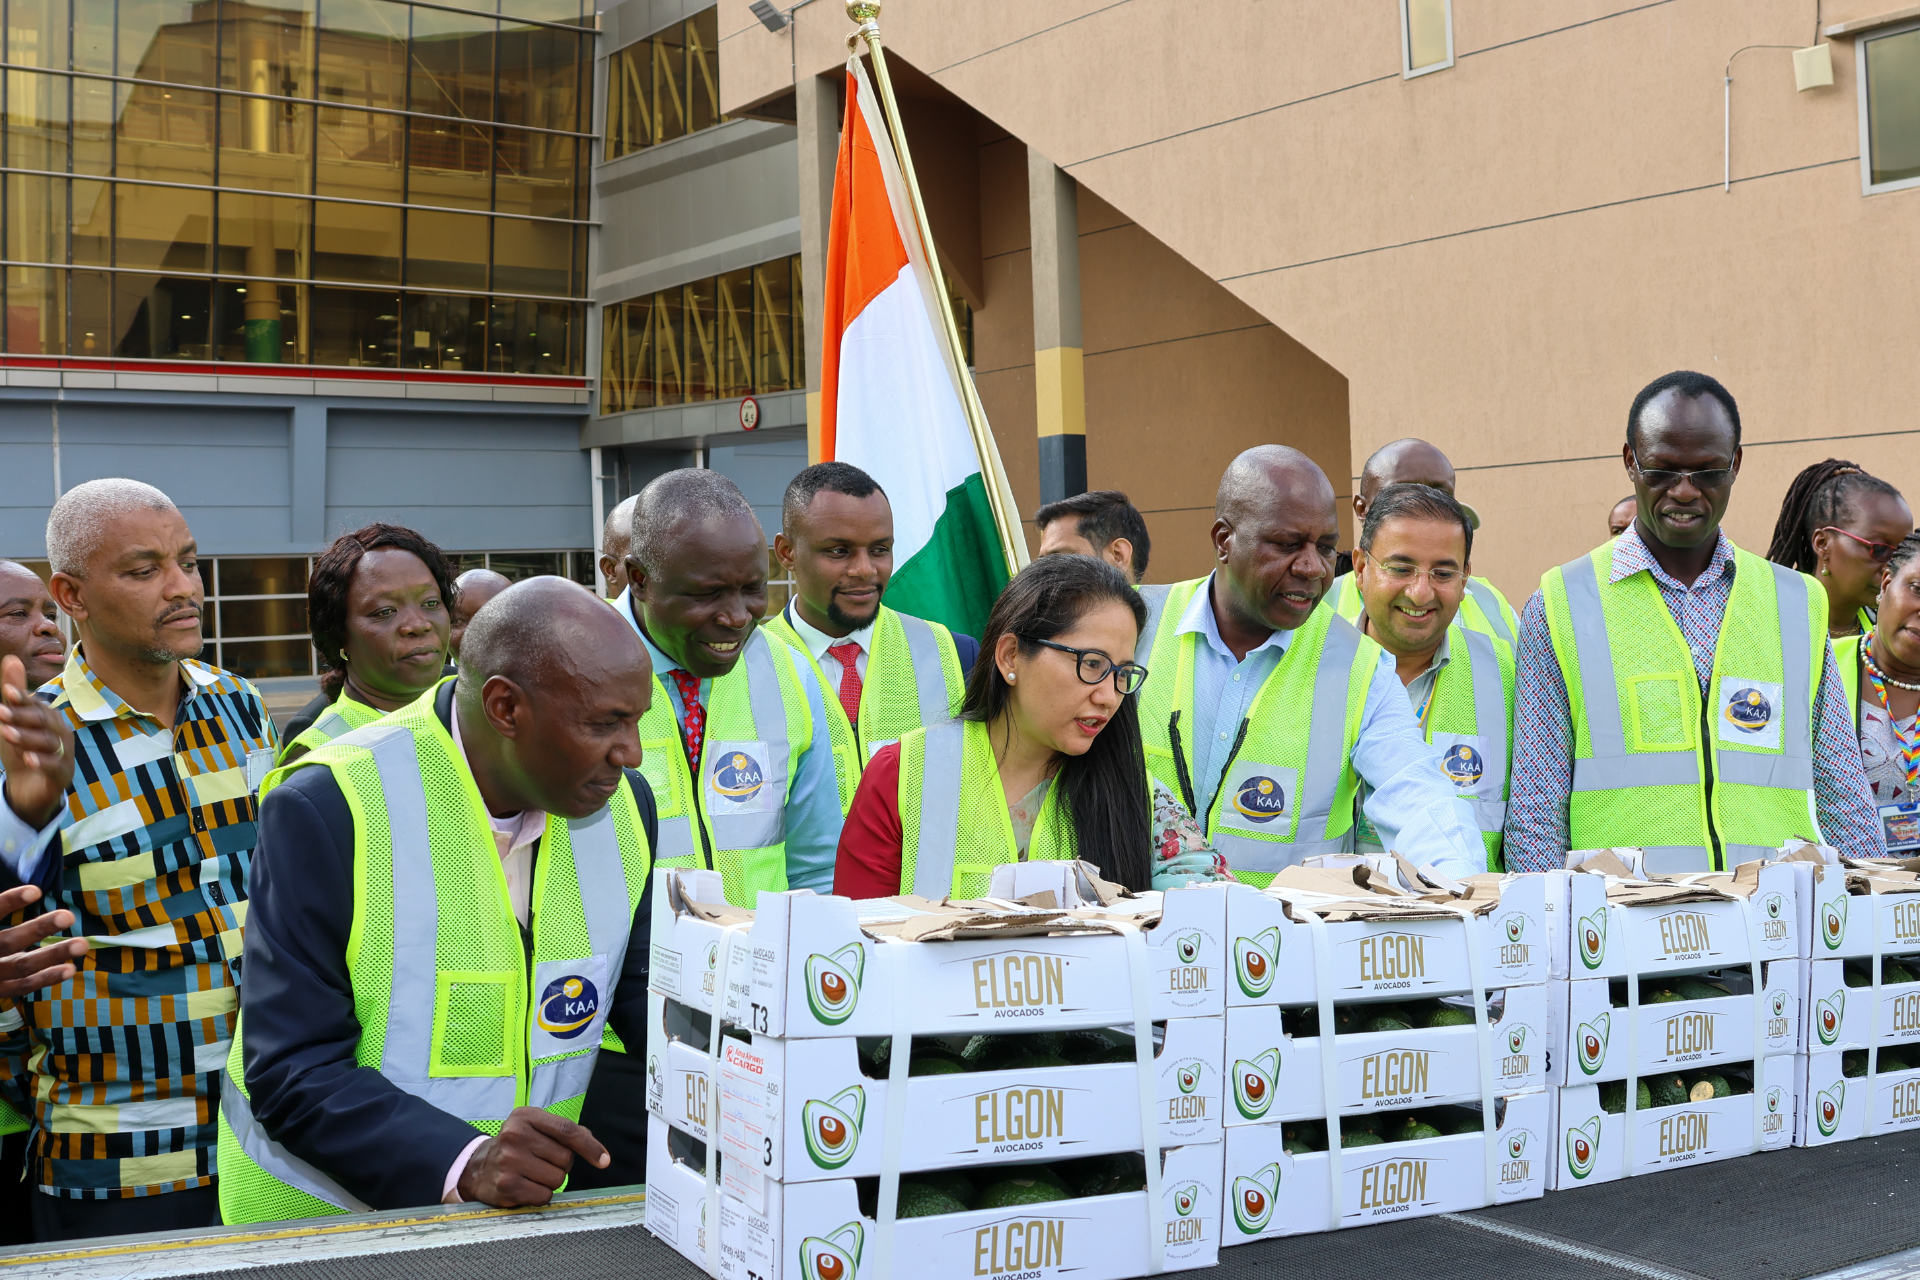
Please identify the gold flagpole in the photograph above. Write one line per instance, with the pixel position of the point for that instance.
(866, 13)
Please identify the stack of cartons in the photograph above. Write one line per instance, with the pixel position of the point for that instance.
(807, 1110)
(1322, 948)
(1860, 1073)
(1678, 1014)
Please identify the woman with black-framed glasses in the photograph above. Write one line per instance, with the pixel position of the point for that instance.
(1043, 761)
(1841, 525)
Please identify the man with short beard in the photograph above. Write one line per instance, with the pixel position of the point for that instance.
(149, 845)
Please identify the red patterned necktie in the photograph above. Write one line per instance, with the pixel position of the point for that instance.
(696, 719)
(847, 655)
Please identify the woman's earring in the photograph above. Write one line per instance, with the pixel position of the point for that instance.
(1009, 677)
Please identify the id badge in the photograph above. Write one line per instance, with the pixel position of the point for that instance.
(1747, 713)
(1900, 824)
(259, 765)
(1260, 799)
(736, 778)
(570, 1005)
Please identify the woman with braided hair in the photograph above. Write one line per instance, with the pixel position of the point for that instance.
(1841, 525)
(1882, 673)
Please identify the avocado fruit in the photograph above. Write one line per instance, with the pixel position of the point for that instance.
(1360, 1138)
(1447, 1015)
(1303, 1136)
(1471, 1122)
(1706, 1085)
(1083, 1047)
(1892, 971)
(917, 1200)
(1009, 1192)
(1613, 1097)
(1104, 1175)
(1853, 1063)
(948, 1182)
(1413, 1129)
(1383, 1022)
(1119, 1053)
(1893, 1058)
(1034, 1061)
(1650, 994)
(1857, 977)
(997, 1053)
(935, 1067)
(1696, 989)
(1667, 1091)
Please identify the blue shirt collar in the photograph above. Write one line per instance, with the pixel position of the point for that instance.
(1199, 620)
(661, 662)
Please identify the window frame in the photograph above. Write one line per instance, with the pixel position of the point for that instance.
(1868, 187)
(1407, 70)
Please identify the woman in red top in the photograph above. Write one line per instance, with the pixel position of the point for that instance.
(1052, 694)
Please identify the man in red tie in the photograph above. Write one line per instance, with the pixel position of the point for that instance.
(889, 671)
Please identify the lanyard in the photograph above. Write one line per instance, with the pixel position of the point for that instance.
(1909, 745)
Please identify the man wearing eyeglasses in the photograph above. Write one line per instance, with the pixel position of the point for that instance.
(1266, 713)
(1676, 692)
(1410, 575)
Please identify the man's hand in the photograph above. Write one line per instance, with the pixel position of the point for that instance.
(25, 965)
(528, 1160)
(36, 749)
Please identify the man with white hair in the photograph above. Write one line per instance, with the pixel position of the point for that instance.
(129, 802)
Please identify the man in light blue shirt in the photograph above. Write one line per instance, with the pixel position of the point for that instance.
(697, 567)
(1230, 633)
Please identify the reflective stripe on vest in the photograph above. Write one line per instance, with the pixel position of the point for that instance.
(938, 765)
(1846, 656)
(342, 716)
(1479, 711)
(1482, 593)
(1612, 767)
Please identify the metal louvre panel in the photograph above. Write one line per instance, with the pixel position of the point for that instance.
(929, 676)
(1327, 735)
(945, 747)
(275, 1160)
(1599, 698)
(1647, 769)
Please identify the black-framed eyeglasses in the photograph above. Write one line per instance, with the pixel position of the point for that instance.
(1711, 478)
(1095, 666)
(1881, 552)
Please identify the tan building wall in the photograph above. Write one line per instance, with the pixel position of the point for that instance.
(1494, 256)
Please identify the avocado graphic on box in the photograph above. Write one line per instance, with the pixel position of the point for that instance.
(833, 1127)
(1590, 1043)
(837, 1257)
(1187, 946)
(1254, 962)
(1583, 1145)
(1186, 1198)
(1828, 1014)
(1591, 933)
(833, 983)
(1826, 1108)
(1253, 1199)
(1253, 1083)
(1833, 920)
(1187, 1075)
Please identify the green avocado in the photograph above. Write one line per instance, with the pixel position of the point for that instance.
(1892, 971)
(1370, 1122)
(1448, 1015)
(1667, 1091)
(1858, 978)
(1360, 1138)
(1893, 1059)
(1695, 989)
(935, 1067)
(1385, 1023)
(1413, 1130)
(1303, 1136)
(917, 1200)
(1853, 1063)
(1084, 1046)
(1295, 1147)
(1119, 1053)
(1104, 1175)
(1469, 1123)
(1659, 995)
(1013, 1191)
(1036, 1060)
(948, 1182)
(1706, 1085)
(1301, 1024)
(1613, 1097)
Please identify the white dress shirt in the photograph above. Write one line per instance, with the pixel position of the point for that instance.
(818, 642)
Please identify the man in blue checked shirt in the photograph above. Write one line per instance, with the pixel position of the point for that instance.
(140, 822)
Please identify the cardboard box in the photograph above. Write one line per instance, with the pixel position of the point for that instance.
(1675, 925)
(808, 966)
(801, 1111)
(1272, 1076)
(1590, 1145)
(1384, 947)
(679, 1090)
(1590, 1043)
(805, 1224)
(1271, 1193)
(1846, 907)
(1840, 1017)
(1837, 1108)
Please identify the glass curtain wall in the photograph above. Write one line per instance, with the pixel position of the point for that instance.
(737, 334)
(332, 182)
(664, 87)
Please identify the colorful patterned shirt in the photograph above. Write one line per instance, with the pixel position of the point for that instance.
(156, 842)
(1537, 832)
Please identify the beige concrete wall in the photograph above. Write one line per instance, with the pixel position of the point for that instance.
(1496, 255)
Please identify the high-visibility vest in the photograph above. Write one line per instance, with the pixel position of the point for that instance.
(913, 679)
(1483, 609)
(344, 716)
(1470, 718)
(734, 822)
(954, 824)
(1639, 774)
(1846, 656)
(450, 1009)
(1286, 791)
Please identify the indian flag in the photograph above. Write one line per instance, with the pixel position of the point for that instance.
(893, 397)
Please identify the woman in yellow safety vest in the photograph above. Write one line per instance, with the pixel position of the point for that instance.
(377, 607)
(1840, 524)
(1043, 761)
(1881, 672)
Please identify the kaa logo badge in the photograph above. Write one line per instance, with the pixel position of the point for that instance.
(833, 983)
(1591, 933)
(1261, 799)
(1833, 920)
(835, 1258)
(1583, 1145)
(1590, 1042)
(1463, 765)
(1253, 1083)
(1748, 710)
(1253, 1199)
(1828, 1014)
(567, 1007)
(833, 1127)
(738, 776)
(1826, 1108)
(1254, 961)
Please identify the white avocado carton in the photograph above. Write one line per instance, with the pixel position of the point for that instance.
(1380, 946)
(1272, 1076)
(1616, 927)
(1838, 1107)
(1591, 1144)
(1840, 1017)
(802, 965)
(1850, 909)
(1271, 1193)
(801, 1111)
(679, 1087)
(1591, 1042)
(817, 1231)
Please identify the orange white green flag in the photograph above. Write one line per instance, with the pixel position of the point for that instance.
(892, 401)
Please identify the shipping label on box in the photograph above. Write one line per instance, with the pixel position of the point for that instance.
(800, 1110)
(816, 1231)
(1679, 1034)
(1592, 1146)
(1273, 1193)
(1843, 1017)
(1272, 1076)
(1273, 957)
(1607, 939)
(1840, 1107)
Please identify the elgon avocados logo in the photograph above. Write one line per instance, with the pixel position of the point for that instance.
(1187, 947)
(738, 776)
(1748, 710)
(1254, 1197)
(1187, 1075)
(1833, 920)
(833, 1127)
(1826, 1108)
(1253, 1083)
(1260, 799)
(833, 983)
(1255, 960)
(1583, 1145)
(1591, 934)
(1463, 765)
(567, 1007)
(1590, 1043)
(837, 1257)
(1186, 1198)
(1828, 1014)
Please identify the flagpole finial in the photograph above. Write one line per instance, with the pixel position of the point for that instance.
(863, 11)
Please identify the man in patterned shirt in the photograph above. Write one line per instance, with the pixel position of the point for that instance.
(143, 828)
(1700, 777)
